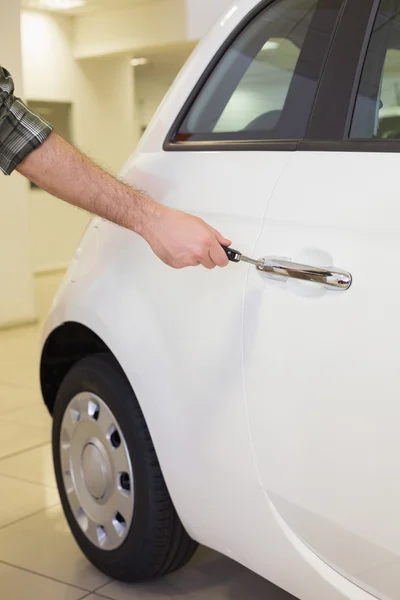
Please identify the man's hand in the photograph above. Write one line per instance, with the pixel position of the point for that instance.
(181, 240)
(177, 238)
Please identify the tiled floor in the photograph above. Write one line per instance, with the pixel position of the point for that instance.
(38, 556)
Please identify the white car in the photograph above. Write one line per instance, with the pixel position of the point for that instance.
(254, 410)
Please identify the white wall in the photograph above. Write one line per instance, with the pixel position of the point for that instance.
(104, 114)
(56, 229)
(154, 80)
(154, 23)
(48, 65)
(49, 74)
(143, 26)
(16, 297)
(103, 123)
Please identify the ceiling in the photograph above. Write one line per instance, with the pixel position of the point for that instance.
(89, 7)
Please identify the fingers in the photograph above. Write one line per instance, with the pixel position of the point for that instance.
(207, 261)
(217, 254)
(181, 240)
(214, 255)
(220, 238)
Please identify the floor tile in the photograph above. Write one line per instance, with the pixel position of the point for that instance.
(21, 375)
(159, 590)
(14, 398)
(17, 584)
(209, 576)
(20, 499)
(16, 437)
(35, 466)
(43, 544)
(34, 415)
(19, 357)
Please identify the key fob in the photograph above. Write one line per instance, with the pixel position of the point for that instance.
(232, 254)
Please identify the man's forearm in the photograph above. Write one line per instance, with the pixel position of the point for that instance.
(28, 144)
(178, 239)
(60, 169)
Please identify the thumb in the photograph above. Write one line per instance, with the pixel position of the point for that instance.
(221, 239)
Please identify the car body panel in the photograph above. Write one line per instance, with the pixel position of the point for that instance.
(190, 319)
(246, 425)
(212, 479)
(320, 381)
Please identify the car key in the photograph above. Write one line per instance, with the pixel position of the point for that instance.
(236, 256)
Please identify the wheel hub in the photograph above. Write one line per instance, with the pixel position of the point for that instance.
(94, 470)
(97, 471)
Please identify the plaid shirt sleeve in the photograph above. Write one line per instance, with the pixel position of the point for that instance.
(21, 131)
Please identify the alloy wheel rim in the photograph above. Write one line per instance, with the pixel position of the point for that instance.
(96, 471)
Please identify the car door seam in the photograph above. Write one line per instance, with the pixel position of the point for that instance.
(252, 448)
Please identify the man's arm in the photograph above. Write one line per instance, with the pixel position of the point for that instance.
(180, 240)
(21, 131)
(28, 144)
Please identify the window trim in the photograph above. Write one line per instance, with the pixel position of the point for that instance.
(231, 146)
(337, 92)
(360, 67)
(319, 140)
(170, 144)
(367, 144)
(350, 145)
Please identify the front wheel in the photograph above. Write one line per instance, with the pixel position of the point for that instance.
(110, 482)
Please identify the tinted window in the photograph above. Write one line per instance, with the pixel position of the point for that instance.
(264, 85)
(377, 110)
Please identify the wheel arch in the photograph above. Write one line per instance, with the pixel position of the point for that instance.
(65, 342)
(64, 347)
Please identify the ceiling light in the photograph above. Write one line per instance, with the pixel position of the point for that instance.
(270, 45)
(138, 62)
(56, 4)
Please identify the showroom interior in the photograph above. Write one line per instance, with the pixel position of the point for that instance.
(200, 225)
(60, 53)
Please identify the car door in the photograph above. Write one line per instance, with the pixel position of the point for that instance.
(221, 160)
(322, 363)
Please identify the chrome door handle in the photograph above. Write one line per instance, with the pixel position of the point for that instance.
(330, 278)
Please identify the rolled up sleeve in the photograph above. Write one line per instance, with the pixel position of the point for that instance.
(21, 130)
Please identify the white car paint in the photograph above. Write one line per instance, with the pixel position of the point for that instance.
(321, 378)
(269, 404)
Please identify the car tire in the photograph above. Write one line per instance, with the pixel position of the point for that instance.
(153, 542)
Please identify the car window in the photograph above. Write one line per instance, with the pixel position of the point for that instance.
(264, 85)
(262, 90)
(377, 109)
